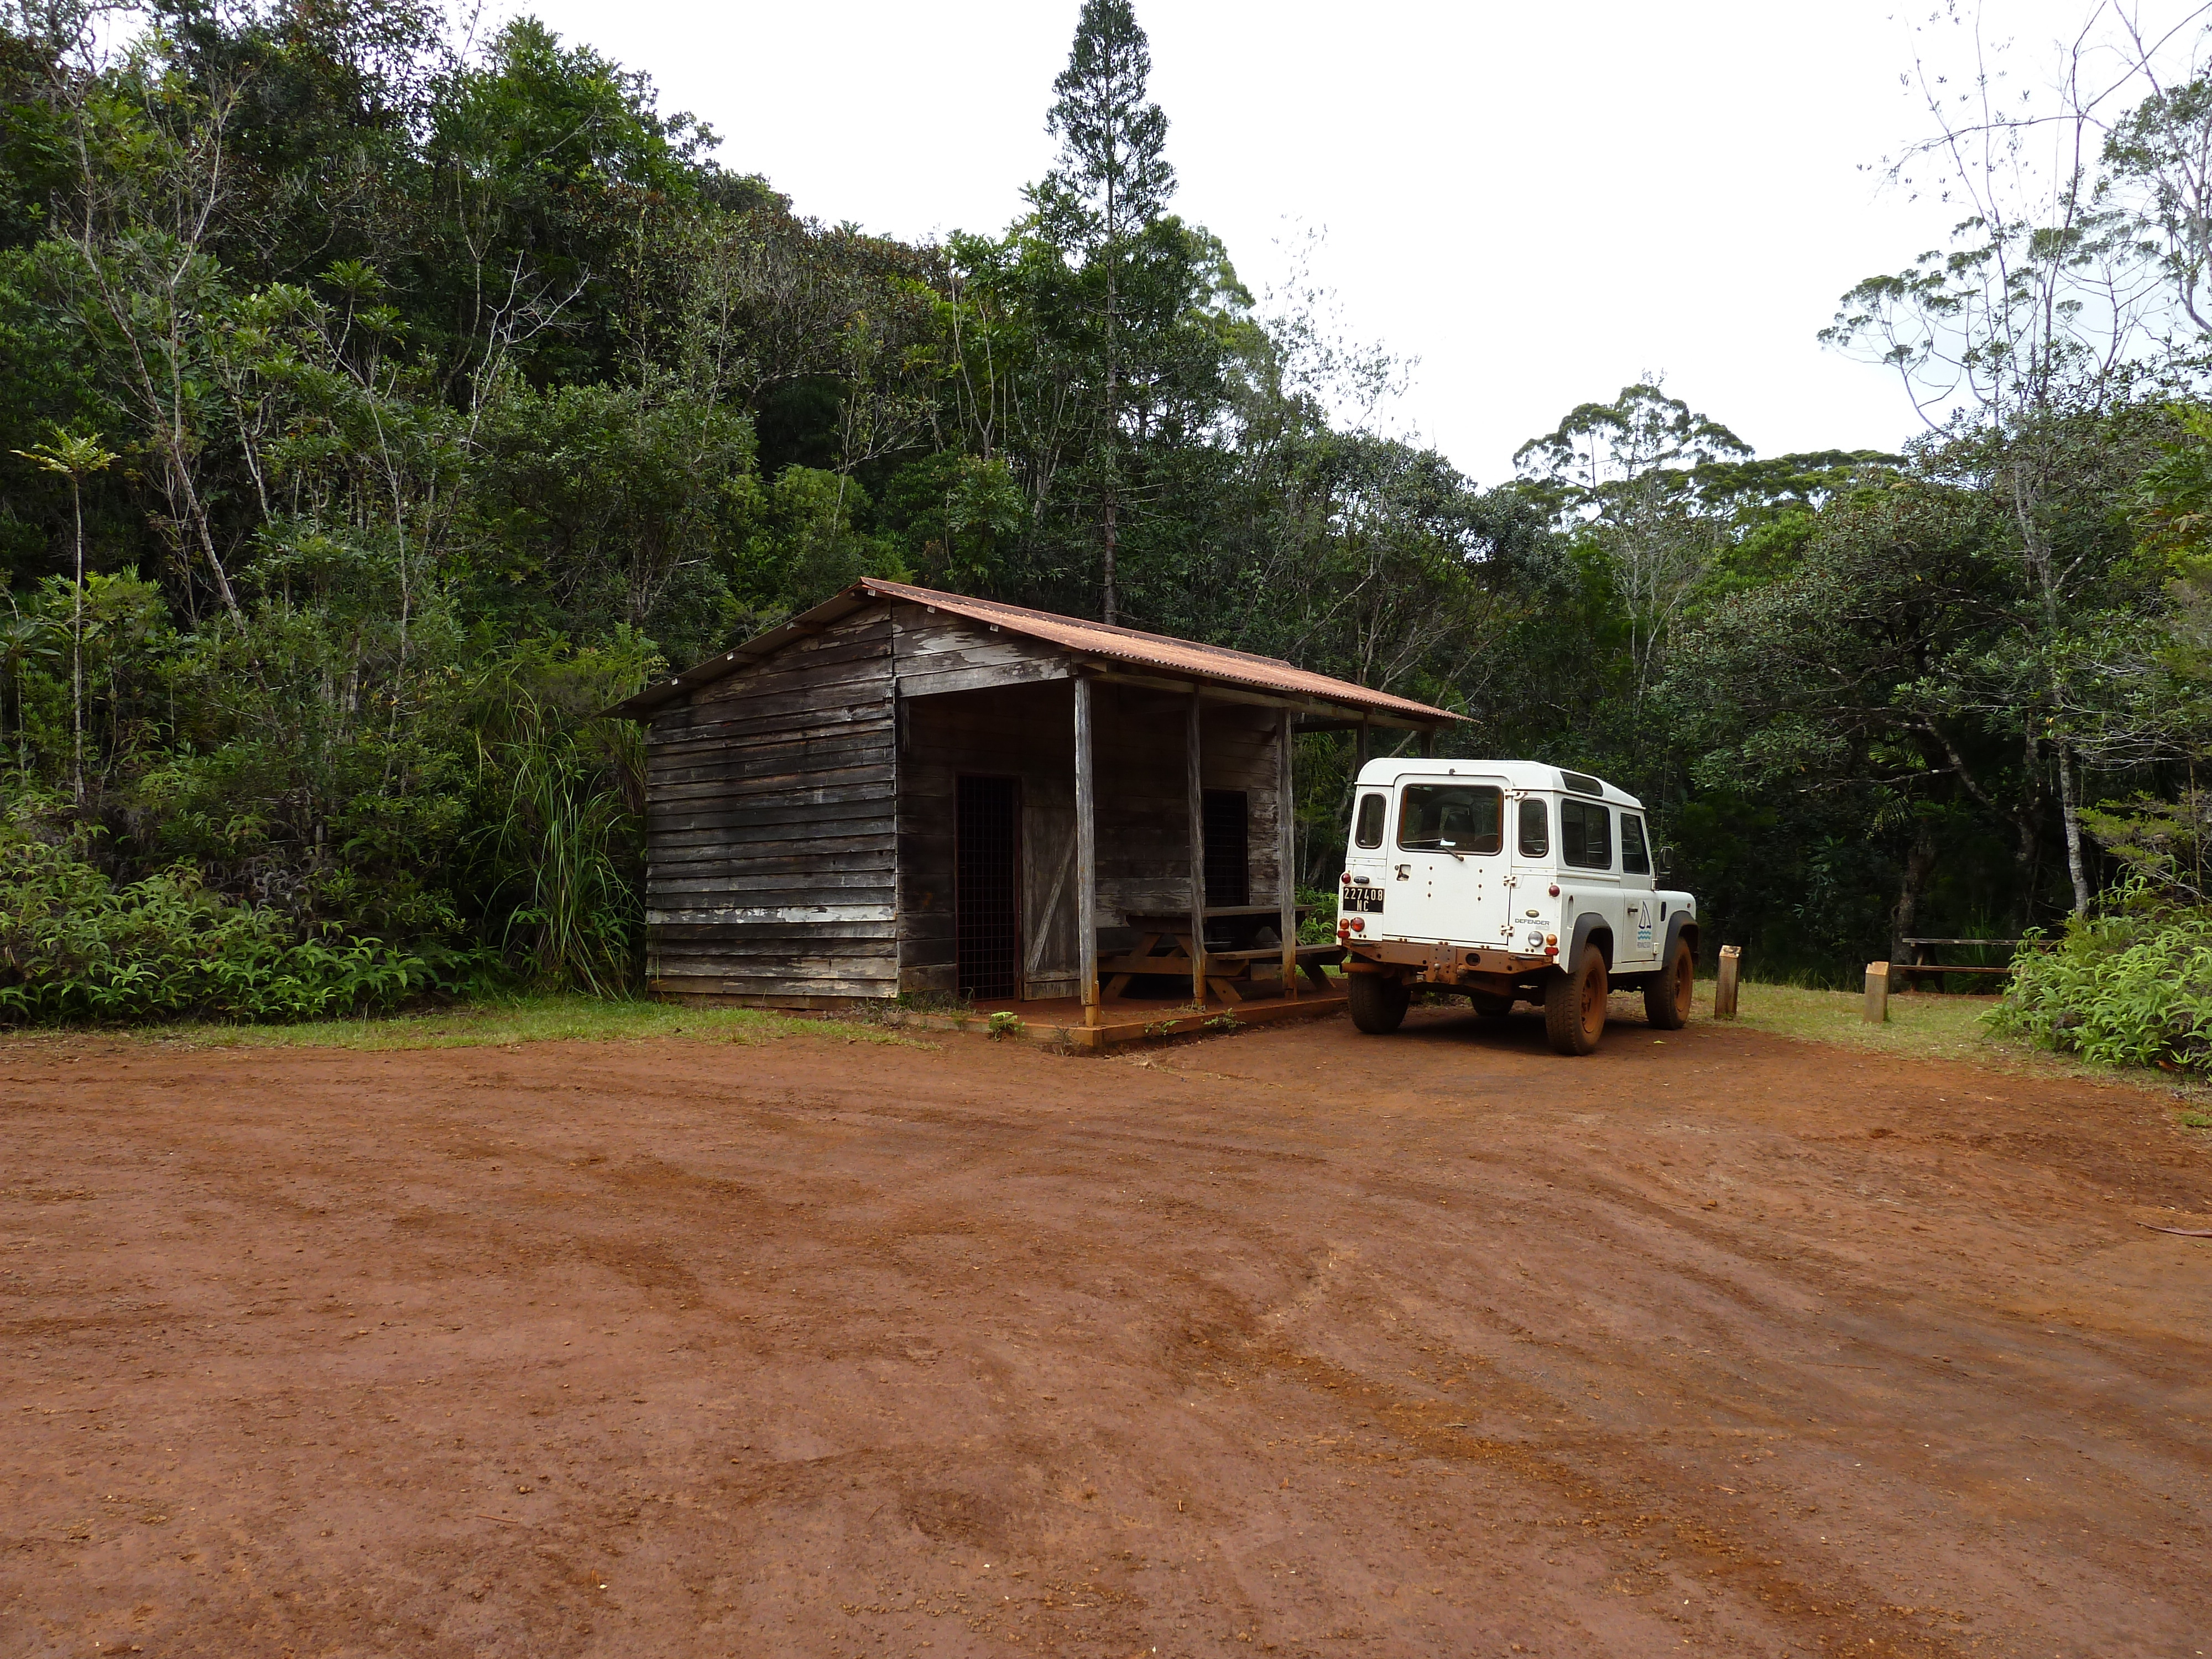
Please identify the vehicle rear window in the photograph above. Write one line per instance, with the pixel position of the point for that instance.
(1635, 857)
(1585, 835)
(1536, 829)
(1451, 817)
(1369, 830)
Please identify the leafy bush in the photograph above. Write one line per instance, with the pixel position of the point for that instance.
(2131, 987)
(74, 947)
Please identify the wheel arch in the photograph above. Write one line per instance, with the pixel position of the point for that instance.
(1682, 926)
(1590, 929)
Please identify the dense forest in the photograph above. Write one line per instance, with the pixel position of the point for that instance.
(379, 406)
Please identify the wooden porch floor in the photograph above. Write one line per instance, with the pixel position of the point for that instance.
(1059, 1020)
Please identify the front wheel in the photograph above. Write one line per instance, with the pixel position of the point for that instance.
(1574, 1005)
(1667, 993)
(1379, 1002)
(1490, 1005)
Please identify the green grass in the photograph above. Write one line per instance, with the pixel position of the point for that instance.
(569, 1019)
(1923, 1026)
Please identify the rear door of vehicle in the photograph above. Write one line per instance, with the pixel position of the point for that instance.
(1446, 861)
(1531, 857)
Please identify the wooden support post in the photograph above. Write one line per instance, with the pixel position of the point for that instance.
(1086, 857)
(1194, 787)
(1286, 833)
(1877, 994)
(1724, 986)
(1366, 747)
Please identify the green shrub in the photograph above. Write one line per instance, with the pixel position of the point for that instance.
(2131, 988)
(74, 947)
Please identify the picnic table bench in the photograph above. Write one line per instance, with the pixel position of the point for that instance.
(1164, 946)
(1921, 962)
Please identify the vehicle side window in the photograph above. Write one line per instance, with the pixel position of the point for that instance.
(1536, 829)
(1451, 817)
(1585, 835)
(1635, 857)
(1370, 832)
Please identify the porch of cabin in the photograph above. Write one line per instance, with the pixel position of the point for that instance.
(1015, 802)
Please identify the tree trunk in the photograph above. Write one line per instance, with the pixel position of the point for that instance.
(1919, 865)
(2069, 815)
(1110, 603)
(1110, 606)
(77, 648)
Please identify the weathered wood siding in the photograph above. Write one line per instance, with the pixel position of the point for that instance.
(771, 827)
(800, 823)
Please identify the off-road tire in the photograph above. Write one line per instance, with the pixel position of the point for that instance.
(1667, 993)
(1574, 1005)
(1490, 1005)
(1379, 1002)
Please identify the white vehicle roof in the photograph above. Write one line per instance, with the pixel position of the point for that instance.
(1516, 774)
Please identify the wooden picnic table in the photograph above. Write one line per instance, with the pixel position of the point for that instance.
(1165, 946)
(1920, 963)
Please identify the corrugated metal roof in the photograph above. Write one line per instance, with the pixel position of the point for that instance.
(1181, 659)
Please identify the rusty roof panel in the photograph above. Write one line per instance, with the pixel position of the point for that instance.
(1160, 651)
(1184, 658)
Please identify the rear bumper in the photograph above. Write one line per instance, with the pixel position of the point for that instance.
(1472, 965)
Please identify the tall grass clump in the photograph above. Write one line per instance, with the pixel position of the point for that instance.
(2130, 987)
(76, 948)
(562, 837)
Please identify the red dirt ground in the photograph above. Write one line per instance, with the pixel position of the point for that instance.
(1290, 1341)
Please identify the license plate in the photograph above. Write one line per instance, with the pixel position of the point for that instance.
(1363, 901)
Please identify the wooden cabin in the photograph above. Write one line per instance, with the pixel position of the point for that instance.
(906, 790)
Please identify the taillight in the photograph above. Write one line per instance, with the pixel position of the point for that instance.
(1346, 878)
(1360, 924)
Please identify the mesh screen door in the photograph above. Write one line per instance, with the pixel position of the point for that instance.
(1228, 849)
(987, 886)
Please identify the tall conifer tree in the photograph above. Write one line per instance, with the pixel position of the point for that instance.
(1111, 182)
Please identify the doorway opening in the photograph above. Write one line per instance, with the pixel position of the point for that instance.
(987, 886)
(1228, 847)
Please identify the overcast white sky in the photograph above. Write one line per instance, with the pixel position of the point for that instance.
(1540, 202)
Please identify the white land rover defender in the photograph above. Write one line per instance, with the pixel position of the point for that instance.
(1513, 881)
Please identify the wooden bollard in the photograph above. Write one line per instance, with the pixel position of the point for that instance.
(1877, 994)
(1724, 986)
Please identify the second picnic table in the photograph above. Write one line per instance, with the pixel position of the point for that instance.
(1923, 961)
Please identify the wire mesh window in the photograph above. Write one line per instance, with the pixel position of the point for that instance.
(987, 886)
(1228, 847)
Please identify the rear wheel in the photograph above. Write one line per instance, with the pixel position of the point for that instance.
(1574, 1005)
(1379, 1002)
(1490, 1005)
(1667, 993)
